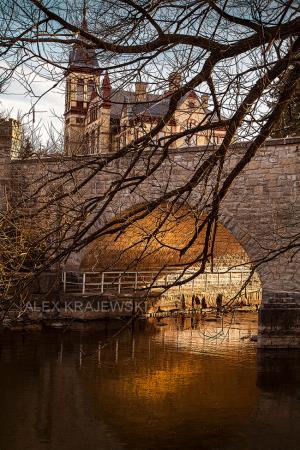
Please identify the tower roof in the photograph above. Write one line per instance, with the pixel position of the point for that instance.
(82, 58)
(106, 82)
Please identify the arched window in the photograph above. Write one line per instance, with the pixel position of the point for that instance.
(93, 113)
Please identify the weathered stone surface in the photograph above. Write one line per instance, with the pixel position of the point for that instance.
(279, 321)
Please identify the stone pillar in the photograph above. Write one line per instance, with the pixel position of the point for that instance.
(279, 315)
(279, 320)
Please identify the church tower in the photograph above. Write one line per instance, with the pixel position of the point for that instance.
(82, 79)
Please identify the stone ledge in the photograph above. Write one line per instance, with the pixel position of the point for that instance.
(278, 342)
(279, 326)
(177, 151)
(281, 298)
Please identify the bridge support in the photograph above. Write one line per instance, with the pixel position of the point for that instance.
(279, 320)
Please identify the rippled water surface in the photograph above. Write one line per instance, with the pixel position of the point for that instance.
(168, 384)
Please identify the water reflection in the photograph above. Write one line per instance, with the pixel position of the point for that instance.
(159, 385)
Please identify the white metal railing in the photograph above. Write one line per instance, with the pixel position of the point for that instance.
(118, 281)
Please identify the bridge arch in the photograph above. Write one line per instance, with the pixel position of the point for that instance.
(261, 210)
(154, 244)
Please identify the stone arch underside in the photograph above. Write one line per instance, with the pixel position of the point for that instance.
(158, 241)
(154, 243)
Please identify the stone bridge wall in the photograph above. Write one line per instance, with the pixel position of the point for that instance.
(261, 211)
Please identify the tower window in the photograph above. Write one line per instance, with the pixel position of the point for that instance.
(90, 88)
(80, 90)
(68, 91)
(93, 114)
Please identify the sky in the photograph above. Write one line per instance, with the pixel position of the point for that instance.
(16, 101)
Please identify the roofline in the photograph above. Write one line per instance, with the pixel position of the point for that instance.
(89, 70)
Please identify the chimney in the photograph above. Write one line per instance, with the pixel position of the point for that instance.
(174, 81)
(141, 91)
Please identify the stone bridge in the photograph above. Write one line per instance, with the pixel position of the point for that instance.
(261, 212)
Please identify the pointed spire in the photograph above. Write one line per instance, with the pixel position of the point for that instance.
(106, 82)
(84, 25)
(81, 58)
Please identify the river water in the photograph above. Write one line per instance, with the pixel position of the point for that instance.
(160, 384)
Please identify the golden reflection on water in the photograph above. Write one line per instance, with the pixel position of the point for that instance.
(174, 381)
(148, 381)
(168, 384)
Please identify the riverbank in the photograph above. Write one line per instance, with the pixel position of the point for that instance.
(27, 323)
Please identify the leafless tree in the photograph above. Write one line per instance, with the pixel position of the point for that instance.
(235, 51)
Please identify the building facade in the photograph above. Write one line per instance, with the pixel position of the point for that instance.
(99, 119)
